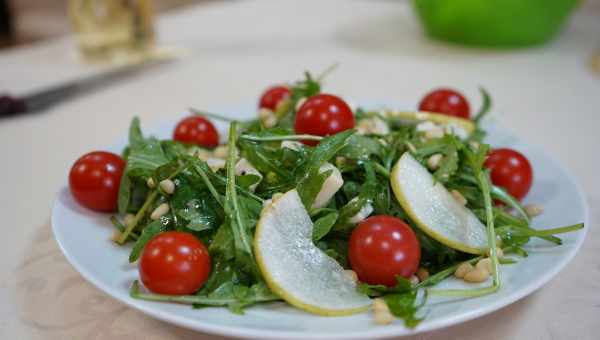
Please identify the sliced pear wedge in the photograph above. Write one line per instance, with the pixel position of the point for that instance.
(434, 209)
(295, 269)
(437, 118)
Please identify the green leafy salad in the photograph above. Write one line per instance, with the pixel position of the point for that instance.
(332, 209)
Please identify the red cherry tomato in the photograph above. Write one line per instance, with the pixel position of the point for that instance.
(94, 180)
(174, 263)
(323, 115)
(511, 171)
(196, 130)
(446, 101)
(273, 96)
(382, 247)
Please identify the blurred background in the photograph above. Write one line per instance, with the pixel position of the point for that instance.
(27, 21)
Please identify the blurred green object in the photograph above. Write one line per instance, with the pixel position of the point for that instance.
(494, 23)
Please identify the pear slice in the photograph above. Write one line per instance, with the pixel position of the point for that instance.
(434, 210)
(295, 269)
(444, 120)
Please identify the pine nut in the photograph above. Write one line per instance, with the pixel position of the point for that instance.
(269, 122)
(381, 312)
(436, 132)
(352, 275)
(221, 151)
(168, 186)
(484, 264)
(459, 197)
(422, 274)
(116, 236)
(499, 252)
(150, 183)
(474, 145)
(414, 280)
(128, 220)
(383, 318)
(533, 210)
(463, 269)
(433, 162)
(159, 211)
(477, 275)
(379, 304)
(264, 113)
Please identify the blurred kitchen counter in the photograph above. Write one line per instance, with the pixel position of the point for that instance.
(548, 94)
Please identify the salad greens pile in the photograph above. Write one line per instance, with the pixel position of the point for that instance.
(221, 208)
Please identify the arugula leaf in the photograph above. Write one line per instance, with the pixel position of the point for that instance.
(237, 214)
(361, 147)
(402, 286)
(148, 233)
(323, 225)
(404, 306)
(234, 296)
(308, 178)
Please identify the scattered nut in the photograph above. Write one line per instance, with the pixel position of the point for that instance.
(128, 219)
(474, 145)
(150, 183)
(381, 312)
(459, 197)
(463, 269)
(116, 236)
(270, 121)
(264, 113)
(422, 274)
(202, 154)
(352, 275)
(534, 210)
(434, 133)
(433, 162)
(215, 164)
(168, 186)
(484, 264)
(499, 252)
(476, 275)
(413, 280)
(221, 151)
(159, 211)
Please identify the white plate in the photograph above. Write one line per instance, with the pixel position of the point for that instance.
(84, 238)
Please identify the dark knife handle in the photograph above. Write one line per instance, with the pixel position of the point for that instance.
(10, 106)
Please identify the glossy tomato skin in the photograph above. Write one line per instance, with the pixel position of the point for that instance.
(446, 101)
(273, 96)
(323, 115)
(382, 247)
(196, 130)
(94, 180)
(510, 170)
(174, 263)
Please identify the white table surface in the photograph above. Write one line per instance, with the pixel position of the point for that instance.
(546, 94)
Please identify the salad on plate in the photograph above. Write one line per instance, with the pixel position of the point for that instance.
(332, 209)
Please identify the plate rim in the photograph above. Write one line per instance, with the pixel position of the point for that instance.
(398, 330)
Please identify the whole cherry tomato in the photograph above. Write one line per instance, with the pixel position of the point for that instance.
(510, 170)
(323, 115)
(446, 101)
(196, 130)
(174, 263)
(94, 180)
(273, 96)
(382, 247)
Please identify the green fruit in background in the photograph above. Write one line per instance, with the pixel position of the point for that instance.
(497, 23)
